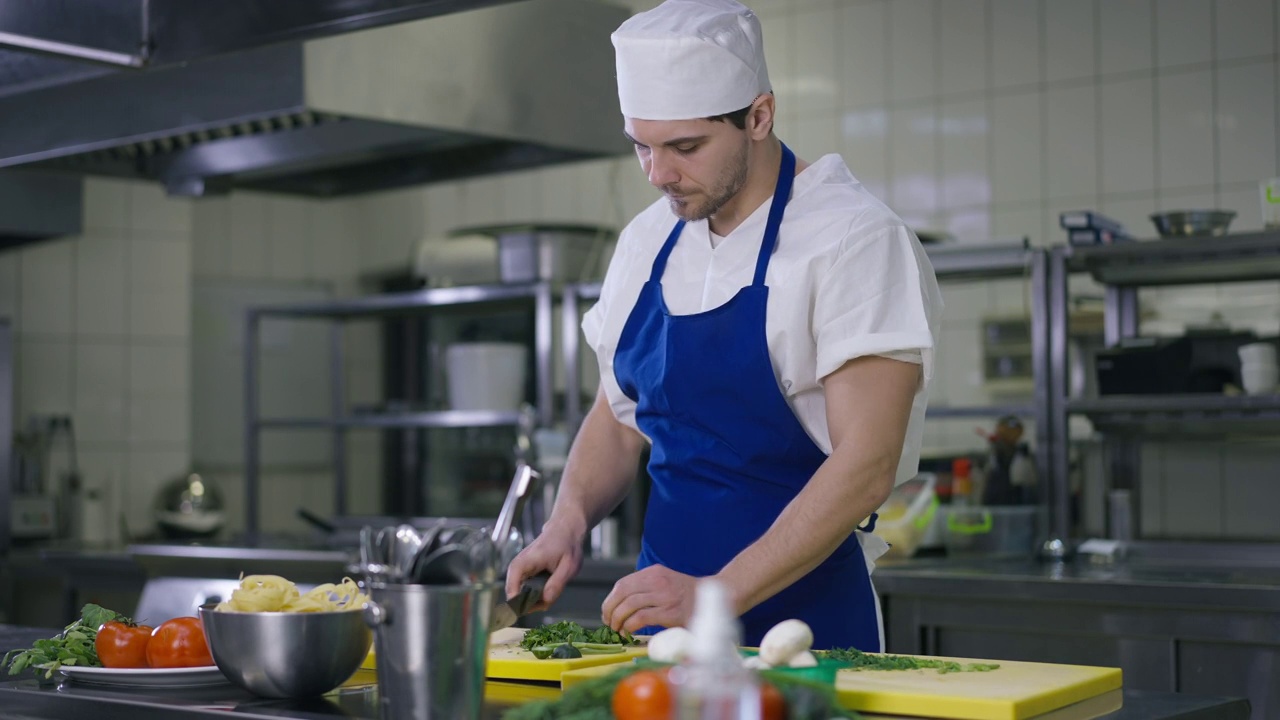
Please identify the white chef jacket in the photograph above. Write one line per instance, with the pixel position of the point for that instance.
(847, 279)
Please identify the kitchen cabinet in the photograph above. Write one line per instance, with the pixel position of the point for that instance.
(1171, 627)
(1126, 421)
(344, 418)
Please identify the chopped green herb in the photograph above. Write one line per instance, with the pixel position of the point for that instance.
(566, 632)
(72, 646)
(859, 660)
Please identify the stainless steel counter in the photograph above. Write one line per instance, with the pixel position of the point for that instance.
(1156, 584)
(28, 699)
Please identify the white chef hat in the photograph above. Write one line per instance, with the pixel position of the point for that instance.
(688, 59)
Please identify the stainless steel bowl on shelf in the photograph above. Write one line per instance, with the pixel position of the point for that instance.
(1188, 223)
(287, 654)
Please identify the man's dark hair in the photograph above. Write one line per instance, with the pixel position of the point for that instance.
(737, 117)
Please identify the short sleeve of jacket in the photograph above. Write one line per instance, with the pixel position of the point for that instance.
(878, 297)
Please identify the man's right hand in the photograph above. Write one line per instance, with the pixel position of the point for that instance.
(557, 550)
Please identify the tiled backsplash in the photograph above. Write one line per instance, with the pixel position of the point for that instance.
(984, 118)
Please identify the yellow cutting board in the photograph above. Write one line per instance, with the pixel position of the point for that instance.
(509, 661)
(1014, 691)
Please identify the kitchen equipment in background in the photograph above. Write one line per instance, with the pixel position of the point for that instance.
(1186, 223)
(905, 518)
(992, 531)
(1259, 373)
(456, 261)
(1270, 191)
(486, 375)
(189, 507)
(604, 539)
(1009, 474)
(1087, 227)
(1203, 361)
(559, 253)
(1006, 356)
(46, 480)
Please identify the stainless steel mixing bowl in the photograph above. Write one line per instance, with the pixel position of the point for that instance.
(1184, 223)
(287, 654)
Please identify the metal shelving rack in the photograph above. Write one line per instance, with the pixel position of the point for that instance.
(342, 418)
(965, 264)
(1123, 269)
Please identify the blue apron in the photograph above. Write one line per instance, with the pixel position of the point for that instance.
(728, 453)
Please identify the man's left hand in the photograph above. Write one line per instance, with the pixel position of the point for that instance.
(655, 595)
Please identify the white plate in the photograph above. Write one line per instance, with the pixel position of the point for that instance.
(146, 677)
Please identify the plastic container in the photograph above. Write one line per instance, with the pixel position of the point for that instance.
(1006, 531)
(907, 515)
(486, 376)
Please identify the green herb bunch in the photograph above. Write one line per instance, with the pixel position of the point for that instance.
(72, 646)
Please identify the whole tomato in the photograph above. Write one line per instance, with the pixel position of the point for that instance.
(773, 706)
(644, 695)
(122, 645)
(179, 643)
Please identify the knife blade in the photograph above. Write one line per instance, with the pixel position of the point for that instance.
(506, 612)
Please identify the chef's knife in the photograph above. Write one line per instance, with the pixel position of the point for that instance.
(506, 612)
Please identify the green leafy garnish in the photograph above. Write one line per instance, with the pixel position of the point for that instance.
(859, 660)
(589, 700)
(571, 632)
(593, 699)
(72, 646)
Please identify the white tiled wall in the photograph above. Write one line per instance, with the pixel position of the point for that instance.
(983, 118)
(103, 326)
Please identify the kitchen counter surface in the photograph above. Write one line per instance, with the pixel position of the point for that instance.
(1153, 583)
(28, 699)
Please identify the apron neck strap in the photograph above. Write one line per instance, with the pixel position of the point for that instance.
(660, 262)
(781, 193)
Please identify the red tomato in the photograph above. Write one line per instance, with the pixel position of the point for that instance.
(122, 645)
(773, 706)
(179, 643)
(643, 695)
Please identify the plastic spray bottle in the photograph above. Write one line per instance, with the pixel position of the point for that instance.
(713, 684)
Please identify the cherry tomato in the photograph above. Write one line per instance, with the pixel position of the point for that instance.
(122, 645)
(644, 695)
(179, 643)
(773, 706)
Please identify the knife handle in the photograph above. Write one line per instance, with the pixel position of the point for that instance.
(530, 592)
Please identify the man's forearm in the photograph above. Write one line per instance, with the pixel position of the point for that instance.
(841, 493)
(868, 407)
(600, 470)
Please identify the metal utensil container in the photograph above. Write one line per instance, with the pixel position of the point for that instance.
(431, 643)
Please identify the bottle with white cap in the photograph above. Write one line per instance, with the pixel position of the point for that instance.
(713, 684)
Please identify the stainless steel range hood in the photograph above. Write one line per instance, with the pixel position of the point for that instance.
(500, 88)
(37, 206)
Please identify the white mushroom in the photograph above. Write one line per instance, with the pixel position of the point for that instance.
(784, 641)
(803, 660)
(753, 662)
(670, 645)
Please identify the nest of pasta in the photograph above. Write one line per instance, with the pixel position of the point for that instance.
(272, 593)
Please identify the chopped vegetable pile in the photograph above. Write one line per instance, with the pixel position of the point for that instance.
(859, 660)
(564, 639)
(72, 646)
